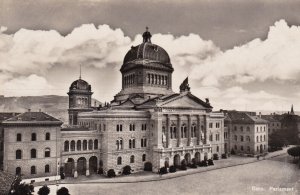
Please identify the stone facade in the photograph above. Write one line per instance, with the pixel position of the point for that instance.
(145, 122)
(32, 147)
(248, 134)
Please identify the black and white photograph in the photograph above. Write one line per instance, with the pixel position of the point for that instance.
(149, 97)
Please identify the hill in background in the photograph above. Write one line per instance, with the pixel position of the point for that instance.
(54, 105)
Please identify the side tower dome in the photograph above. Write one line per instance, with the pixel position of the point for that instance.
(146, 71)
(80, 96)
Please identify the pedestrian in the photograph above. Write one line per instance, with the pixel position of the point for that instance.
(257, 157)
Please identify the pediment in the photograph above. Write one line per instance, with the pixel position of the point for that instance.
(185, 102)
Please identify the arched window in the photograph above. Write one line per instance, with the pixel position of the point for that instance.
(119, 160)
(261, 138)
(173, 132)
(132, 159)
(264, 137)
(33, 137)
(193, 130)
(19, 137)
(47, 137)
(242, 138)
(130, 143)
(95, 144)
(144, 157)
(33, 170)
(66, 146)
(248, 138)
(242, 128)
(117, 145)
(18, 154)
(248, 128)
(257, 139)
(18, 171)
(47, 152)
(72, 145)
(84, 145)
(78, 145)
(33, 153)
(90, 144)
(47, 169)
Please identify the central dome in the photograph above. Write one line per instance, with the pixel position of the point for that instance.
(147, 51)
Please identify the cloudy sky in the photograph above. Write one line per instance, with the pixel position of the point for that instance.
(241, 54)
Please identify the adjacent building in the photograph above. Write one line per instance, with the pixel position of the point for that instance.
(32, 145)
(248, 133)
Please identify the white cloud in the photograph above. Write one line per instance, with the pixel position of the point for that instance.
(277, 57)
(27, 86)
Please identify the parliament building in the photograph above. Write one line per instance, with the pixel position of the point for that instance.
(145, 122)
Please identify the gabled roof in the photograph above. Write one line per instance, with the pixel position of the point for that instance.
(7, 115)
(243, 118)
(32, 117)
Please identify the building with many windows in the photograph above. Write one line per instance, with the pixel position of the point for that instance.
(145, 122)
(32, 145)
(248, 133)
(148, 122)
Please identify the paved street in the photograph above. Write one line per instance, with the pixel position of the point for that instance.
(253, 178)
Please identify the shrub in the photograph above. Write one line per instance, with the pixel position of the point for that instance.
(44, 190)
(294, 151)
(210, 162)
(100, 171)
(172, 169)
(148, 166)
(63, 191)
(204, 163)
(224, 156)
(183, 165)
(232, 151)
(163, 170)
(111, 173)
(126, 170)
(216, 156)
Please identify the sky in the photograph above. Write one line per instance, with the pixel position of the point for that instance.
(240, 54)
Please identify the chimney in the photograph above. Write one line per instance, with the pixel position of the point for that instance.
(207, 100)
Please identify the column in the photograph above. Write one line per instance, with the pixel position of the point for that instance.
(75, 169)
(205, 129)
(189, 143)
(168, 132)
(87, 172)
(179, 144)
(198, 130)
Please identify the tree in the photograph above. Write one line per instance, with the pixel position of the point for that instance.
(44, 190)
(111, 173)
(126, 170)
(19, 188)
(294, 151)
(63, 191)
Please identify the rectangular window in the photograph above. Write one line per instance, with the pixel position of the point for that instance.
(19, 137)
(217, 125)
(210, 125)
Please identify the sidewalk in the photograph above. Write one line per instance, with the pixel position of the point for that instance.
(149, 176)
